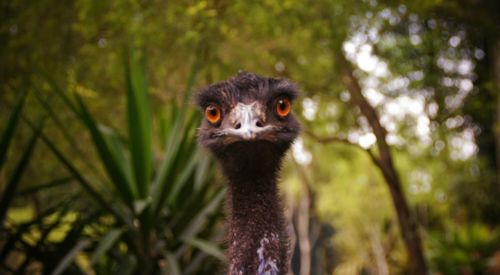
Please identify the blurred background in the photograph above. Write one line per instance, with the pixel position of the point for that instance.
(396, 171)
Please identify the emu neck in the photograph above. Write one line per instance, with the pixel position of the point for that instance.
(257, 234)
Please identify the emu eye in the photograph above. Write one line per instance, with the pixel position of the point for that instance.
(283, 107)
(213, 113)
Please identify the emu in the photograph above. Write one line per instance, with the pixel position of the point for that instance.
(249, 126)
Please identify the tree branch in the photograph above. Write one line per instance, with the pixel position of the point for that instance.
(407, 222)
(336, 139)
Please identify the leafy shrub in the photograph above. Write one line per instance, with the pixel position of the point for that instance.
(464, 250)
(157, 217)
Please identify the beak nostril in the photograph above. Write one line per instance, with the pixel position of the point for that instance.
(259, 124)
(237, 126)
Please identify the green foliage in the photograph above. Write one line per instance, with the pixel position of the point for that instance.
(158, 226)
(8, 132)
(145, 225)
(5, 139)
(131, 148)
(39, 239)
(464, 250)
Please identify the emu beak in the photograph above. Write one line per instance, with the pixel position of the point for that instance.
(247, 121)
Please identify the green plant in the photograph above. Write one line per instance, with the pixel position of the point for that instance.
(5, 140)
(464, 250)
(23, 242)
(146, 217)
(164, 215)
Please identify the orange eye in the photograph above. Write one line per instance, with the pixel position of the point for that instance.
(283, 107)
(213, 114)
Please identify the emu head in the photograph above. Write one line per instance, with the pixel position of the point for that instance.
(248, 118)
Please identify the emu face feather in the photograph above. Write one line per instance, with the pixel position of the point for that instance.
(246, 122)
(248, 106)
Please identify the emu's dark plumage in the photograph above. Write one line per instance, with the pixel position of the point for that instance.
(250, 141)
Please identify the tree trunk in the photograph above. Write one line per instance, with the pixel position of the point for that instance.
(407, 223)
(303, 235)
(379, 253)
(303, 224)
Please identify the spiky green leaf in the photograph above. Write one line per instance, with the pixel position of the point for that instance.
(139, 123)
